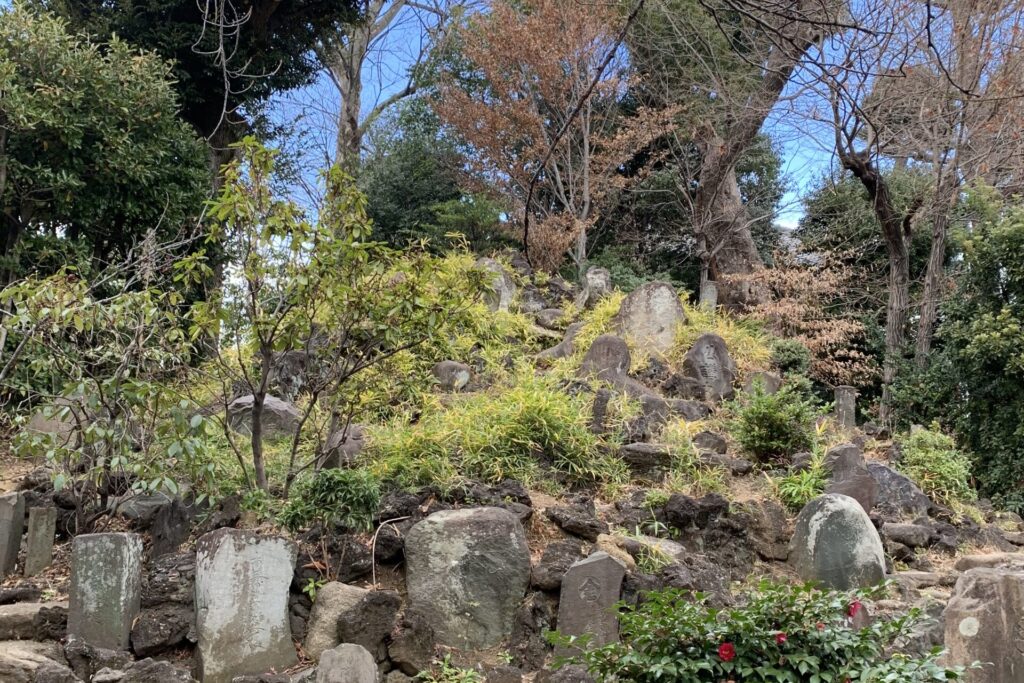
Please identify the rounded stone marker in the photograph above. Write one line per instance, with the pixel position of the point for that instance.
(836, 544)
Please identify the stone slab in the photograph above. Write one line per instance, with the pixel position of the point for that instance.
(106, 585)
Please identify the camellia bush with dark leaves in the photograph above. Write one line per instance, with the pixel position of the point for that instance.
(781, 634)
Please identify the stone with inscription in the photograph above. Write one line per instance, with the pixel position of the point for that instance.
(42, 526)
(106, 588)
(710, 366)
(466, 572)
(12, 525)
(846, 406)
(590, 590)
(242, 582)
(984, 622)
(651, 316)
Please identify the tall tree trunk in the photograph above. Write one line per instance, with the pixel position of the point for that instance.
(724, 229)
(895, 231)
(932, 288)
(895, 322)
(258, 400)
(350, 136)
(718, 207)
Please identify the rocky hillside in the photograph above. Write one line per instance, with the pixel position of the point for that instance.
(587, 451)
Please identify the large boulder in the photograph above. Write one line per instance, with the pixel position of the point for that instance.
(501, 286)
(835, 543)
(279, 417)
(332, 600)
(651, 316)
(898, 496)
(467, 571)
(242, 582)
(849, 475)
(984, 622)
(710, 367)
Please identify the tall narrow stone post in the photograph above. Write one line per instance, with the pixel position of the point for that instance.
(590, 590)
(846, 406)
(42, 526)
(12, 525)
(106, 584)
(709, 295)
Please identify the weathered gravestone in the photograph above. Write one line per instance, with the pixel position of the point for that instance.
(608, 359)
(846, 406)
(12, 525)
(709, 364)
(242, 582)
(344, 446)
(42, 525)
(466, 572)
(347, 663)
(590, 590)
(769, 383)
(835, 543)
(984, 622)
(106, 585)
(651, 316)
(709, 294)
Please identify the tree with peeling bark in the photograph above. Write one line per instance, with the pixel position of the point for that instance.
(348, 54)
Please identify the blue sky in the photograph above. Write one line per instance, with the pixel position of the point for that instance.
(312, 110)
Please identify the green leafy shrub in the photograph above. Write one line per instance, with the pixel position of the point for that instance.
(626, 271)
(797, 489)
(769, 426)
(516, 431)
(932, 460)
(445, 671)
(331, 497)
(780, 633)
(790, 356)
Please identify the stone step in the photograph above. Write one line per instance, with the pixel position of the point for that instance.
(18, 621)
(990, 560)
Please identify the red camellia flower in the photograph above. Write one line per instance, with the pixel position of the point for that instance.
(780, 638)
(727, 652)
(820, 626)
(854, 609)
